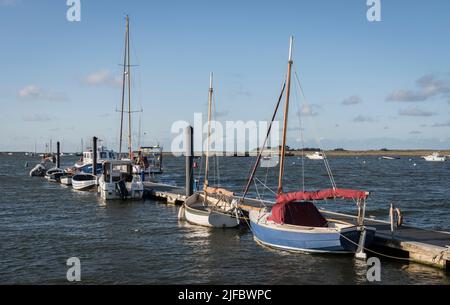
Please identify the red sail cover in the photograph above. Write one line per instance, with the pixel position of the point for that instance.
(297, 214)
(322, 195)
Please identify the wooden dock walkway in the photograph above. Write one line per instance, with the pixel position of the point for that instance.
(413, 244)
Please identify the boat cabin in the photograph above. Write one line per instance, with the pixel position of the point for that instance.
(117, 170)
(151, 158)
(102, 155)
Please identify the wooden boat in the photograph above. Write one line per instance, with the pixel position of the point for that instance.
(294, 223)
(214, 207)
(84, 182)
(118, 181)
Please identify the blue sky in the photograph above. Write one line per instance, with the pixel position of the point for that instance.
(369, 85)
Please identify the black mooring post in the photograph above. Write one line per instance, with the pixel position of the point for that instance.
(58, 155)
(94, 154)
(189, 140)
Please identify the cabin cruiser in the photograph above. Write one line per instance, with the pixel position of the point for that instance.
(103, 154)
(150, 158)
(316, 156)
(118, 181)
(435, 157)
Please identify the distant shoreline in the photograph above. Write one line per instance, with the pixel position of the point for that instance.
(332, 153)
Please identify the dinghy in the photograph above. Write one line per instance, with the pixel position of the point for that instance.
(294, 222)
(84, 182)
(214, 207)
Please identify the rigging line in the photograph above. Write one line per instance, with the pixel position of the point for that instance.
(258, 159)
(327, 165)
(299, 115)
(265, 186)
(216, 159)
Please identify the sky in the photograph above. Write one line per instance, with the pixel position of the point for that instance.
(368, 85)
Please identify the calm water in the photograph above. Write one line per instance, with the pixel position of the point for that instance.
(43, 224)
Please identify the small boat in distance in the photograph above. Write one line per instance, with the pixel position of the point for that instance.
(316, 156)
(435, 157)
(390, 158)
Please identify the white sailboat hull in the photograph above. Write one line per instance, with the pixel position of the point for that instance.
(195, 212)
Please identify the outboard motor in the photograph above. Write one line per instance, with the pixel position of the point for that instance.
(122, 188)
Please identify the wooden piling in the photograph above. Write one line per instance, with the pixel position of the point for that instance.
(94, 156)
(58, 155)
(189, 140)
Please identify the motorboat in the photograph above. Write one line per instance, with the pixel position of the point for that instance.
(118, 181)
(316, 156)
(435, 157)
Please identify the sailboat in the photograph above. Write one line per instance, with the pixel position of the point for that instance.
(119, 179)
(294, 222)
(214, 207)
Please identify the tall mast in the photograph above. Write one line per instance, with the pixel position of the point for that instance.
(285, 120)
(211, 91)
(123, 87)
(130, 148)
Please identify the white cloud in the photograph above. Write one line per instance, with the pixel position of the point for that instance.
(415, 112)
(363, 119)
(429, 87)
(446, 124)
(34, 92)
(102, 78)
(309, 110)
(352, 100)
(9, 2)
(37, 118)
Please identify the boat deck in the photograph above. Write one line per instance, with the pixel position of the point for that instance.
(418, 245)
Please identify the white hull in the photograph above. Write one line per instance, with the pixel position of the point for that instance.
(435, 159)
(108, 191)
(67, 181)
(194, 212)
(315, 156)
(84, 185)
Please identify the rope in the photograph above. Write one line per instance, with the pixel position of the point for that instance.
(375, 252)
